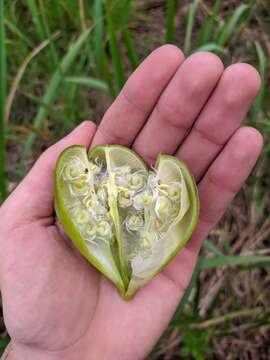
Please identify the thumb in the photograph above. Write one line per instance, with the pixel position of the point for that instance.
(33, 199)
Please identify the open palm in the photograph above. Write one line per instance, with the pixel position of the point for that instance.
(56, 306)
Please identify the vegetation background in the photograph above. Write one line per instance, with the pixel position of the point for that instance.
(65, 61)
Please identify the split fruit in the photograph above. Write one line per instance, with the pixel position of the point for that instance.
(127, 220)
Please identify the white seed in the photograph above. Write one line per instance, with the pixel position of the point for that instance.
(138, 202)
(71, 172)
(125, 199)
(174, 191)
(162, 206)
(82, 216)
(75, 170)
(79, 188)
(90, 231)
(104, 230)
(134, 222)
(142, 200)
(137, 181)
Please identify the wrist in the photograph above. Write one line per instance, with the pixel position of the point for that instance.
(16, 351)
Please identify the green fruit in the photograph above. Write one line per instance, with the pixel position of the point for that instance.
(127, 220)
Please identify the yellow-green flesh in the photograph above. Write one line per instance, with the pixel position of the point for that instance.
(149, 215)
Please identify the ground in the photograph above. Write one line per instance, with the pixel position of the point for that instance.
(227, 314)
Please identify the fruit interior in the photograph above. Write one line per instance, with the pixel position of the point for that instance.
(119, 206)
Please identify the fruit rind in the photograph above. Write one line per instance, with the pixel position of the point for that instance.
(193, 192)
(70, 227)
(121, 277)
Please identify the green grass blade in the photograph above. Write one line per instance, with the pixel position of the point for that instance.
(13, 28)
(258, 105)
(115, 54)
(98, 35)
(93, 83)
(125, 12)
(171, 8)
(50, 110)
(82, 15)
(220, 261)
(3, 186)
(3, 344)
(187, 293)
(211, 47)
(53, 86)
(231, 24)
(211, 247)
(215, 262)
(131, 51)
(36, 18)
(189, 28)
(54, 56)
(207, 30)
(60, 13)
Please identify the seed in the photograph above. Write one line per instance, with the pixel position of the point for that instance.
(134, 222)
(125, 199)
(104, 229)
(138, 202)
(162, 206)
(147, 200)
(82, 216)
(71, 172)
(136, 182)
(79, 188)
(174, 192)
(90, 231)
(142, 200)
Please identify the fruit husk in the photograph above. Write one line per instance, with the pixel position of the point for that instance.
(111, 262)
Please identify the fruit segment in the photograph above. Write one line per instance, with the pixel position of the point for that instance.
(82, 209)
(172, 217)
(128, 220)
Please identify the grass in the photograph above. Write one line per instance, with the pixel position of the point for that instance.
(68, 60)
(119, 76)
(52, 88)
(190, 22)
(3, 186)
(171, 6)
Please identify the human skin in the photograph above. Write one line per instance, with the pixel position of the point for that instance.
(56, 305)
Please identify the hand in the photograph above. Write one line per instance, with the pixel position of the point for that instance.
(56, 306)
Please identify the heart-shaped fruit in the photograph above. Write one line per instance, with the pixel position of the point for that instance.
(127, 220)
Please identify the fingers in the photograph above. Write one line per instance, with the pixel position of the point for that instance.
(129, 112)
(217, 189)
(179, 105)
(220, 117)
(35, 194)
(225, 178)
